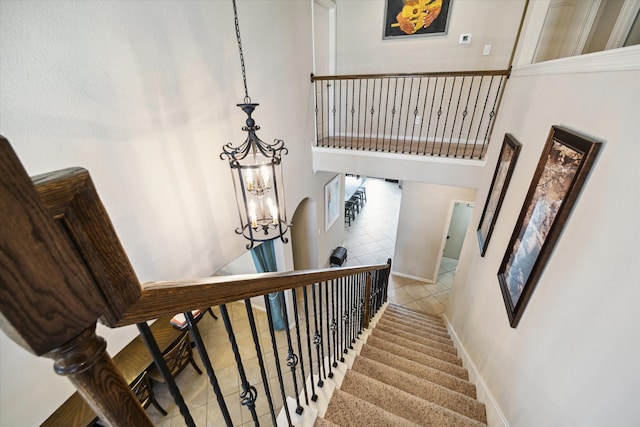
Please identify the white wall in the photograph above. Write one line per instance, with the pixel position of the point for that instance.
(425, 210)
(573, 358)
(362, 50)
(143, 95)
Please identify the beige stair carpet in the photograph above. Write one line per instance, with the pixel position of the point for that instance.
(407, 374)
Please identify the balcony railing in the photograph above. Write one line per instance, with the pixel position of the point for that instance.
(447, 114)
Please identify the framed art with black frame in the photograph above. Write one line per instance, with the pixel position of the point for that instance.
(501, 177)
(415, 18)
(563, 167)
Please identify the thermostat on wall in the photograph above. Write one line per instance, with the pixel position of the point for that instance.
(465, 39)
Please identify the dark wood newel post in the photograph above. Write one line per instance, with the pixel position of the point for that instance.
(89, 367)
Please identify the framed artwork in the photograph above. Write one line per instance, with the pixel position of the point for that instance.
(501, 177)
(331, 202)
(414, 18)
(562, 170)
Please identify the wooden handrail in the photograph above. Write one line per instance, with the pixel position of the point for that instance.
(165, 298)
(414, 75)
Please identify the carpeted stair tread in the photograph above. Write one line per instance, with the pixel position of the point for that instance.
(421, 388)
(417, 314)
(417, 325)
(424, 332)
(420, 348)
(446, 348)
(424, 338)
(321, 422)
(401, 403)
(423, 359)
(418, 370)
(414, 321)
(347, 410)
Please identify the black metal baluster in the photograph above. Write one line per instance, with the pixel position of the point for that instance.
(386, 110)
(363, 285)
(292, 357)
(263, 371)
(364, 113)
(327, 335)
(455, 117)
(204, 356)
(484, 108)
(404, 138)
(324, 369)
(439, 114)
(353, 111)
(333, 110)
(334, 322)
(464, 117)
(373, 111)
(317, 338)
(433, 102)
(339, 104)
(347, 313)
(318, 121)
(276, 357)
(320, 111)
(297, 322)
(314, 396)
(152, 345)
(340, 322)
(415, 116)
(393, 115)
(492, 114)
(446, 117)
(345, 316)
(249, 393)
(352, 308)
(473, 115)
(379, 113)
(424, 108)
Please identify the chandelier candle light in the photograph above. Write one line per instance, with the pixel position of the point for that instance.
(256, 171)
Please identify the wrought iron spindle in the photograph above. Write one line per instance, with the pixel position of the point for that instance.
(204, 356)
(406, 122)
(373, 111)
(424, 108)
(386, 110)
(473, 115)
(379, 113)
(276, 357)
(415, 115)
(297, 322)
(484, 108)
(492, 114)
(161, 364)
(249, 393)
(319, 317)
(347, 313)
(334, 321)
(321, 112)
(455, 117)
(352, 316)
(439, 114)
(363, 285)
(326, 322)
(336, 123)
(446, 116)
(433, 102)
(364, 113)
(353, 110)
(464, 117)
(314, 396)
(393, 115)
(263, 370)
(345, 316)
(317, 338)
(292, 357)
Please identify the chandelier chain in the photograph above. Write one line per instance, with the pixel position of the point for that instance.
(247, 99)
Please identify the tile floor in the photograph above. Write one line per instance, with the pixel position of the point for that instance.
(369, 240)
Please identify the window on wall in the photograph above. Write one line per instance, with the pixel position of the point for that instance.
(576, 27)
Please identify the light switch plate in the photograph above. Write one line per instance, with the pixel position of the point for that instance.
(465, 39)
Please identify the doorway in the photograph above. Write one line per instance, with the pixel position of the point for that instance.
(459, 218)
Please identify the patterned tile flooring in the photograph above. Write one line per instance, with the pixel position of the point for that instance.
(369, 240)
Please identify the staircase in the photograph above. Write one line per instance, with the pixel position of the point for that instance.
(406, 374)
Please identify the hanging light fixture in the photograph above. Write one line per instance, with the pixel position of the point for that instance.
(256, 171)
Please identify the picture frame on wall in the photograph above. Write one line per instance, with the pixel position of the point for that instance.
(415, 18)
(499, 184)
(562, 170)
(331, 202)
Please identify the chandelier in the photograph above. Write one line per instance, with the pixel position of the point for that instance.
(256, 170)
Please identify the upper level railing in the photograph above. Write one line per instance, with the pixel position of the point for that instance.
(62, 267)
(444, 114)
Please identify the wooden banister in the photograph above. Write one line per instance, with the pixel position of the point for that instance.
(163, 298)
(62, 268)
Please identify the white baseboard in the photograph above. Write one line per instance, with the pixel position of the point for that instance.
(495, 416)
